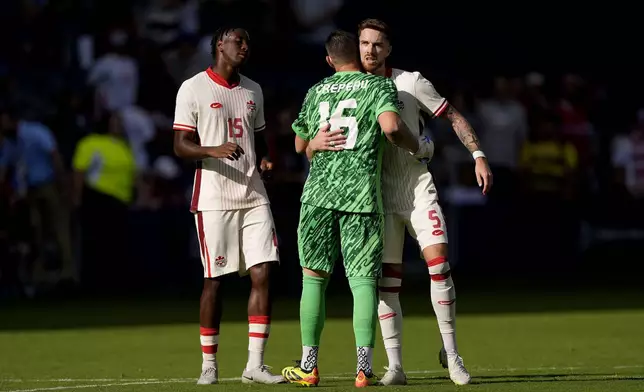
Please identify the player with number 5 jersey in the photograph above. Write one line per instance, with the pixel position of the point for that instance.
(341, 204)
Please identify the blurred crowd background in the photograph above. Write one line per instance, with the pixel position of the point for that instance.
(92, 198)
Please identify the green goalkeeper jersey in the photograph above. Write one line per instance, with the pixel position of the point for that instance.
(347, 180)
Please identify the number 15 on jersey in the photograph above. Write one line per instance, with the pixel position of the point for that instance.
(337, 120)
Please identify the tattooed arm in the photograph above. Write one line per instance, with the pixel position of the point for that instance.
(462, 128)
(432, 103)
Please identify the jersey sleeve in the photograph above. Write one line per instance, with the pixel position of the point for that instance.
(185, 112)
(82, 156)
(429, 100)
(387, 97)
(299, 125)
(260, 122)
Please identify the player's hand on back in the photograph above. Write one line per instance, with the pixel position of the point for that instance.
(227, 150)
(327, 140)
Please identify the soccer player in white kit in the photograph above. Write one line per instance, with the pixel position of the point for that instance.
(411, 201)
(217, 114)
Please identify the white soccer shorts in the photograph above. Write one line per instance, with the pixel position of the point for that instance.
(425, 223)
(236, 240)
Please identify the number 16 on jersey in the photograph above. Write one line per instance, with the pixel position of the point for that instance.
(337, 120)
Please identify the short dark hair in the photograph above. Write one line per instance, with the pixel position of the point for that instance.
(219, 35)
(375, 24)
(342, 46)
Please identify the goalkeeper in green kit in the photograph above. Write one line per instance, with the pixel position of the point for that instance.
(342, 128)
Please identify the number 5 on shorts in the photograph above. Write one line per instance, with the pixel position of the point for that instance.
(338, 121)
(433, 216)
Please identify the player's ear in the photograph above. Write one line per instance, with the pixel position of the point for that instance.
(389, 51)
(329, 61)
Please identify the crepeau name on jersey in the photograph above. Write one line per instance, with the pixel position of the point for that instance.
(338, 87)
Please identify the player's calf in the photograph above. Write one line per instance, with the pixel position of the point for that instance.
(209, 318)
(390, 313)
(364, 327)
(259, 326)
(443, 299)
(444, 303)
(209, 342)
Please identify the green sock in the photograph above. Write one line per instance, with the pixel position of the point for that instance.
(365, 310)
(312, 309)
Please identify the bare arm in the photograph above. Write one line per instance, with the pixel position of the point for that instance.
(185, 146)
(397, 132)
(301, 145)
(462, 128)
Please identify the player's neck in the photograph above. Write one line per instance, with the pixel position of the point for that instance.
(380, 71)
(347, 68)
(226, 71)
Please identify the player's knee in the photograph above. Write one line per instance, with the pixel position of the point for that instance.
(439, 268)
(210, 287)
(391, 279)
(315, 273)
(260, 275)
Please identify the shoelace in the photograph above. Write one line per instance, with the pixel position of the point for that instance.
(265, 369)
(459, 361)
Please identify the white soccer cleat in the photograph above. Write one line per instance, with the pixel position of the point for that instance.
(394, 376)
(209, 376)
(261, 375)
(454, 363)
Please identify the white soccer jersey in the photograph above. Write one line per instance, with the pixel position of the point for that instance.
(404, 179)
(222, 113)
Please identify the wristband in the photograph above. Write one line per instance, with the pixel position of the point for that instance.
(478, 154)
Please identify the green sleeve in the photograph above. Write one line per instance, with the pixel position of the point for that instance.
(299, 125)
(387, 97)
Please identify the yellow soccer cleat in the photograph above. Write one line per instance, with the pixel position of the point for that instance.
(297, 375)
(365, 380)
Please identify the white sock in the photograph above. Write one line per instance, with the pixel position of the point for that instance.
(390, 315)
(443, 296)
(365, 360)
(309, 357)
(259, 328)
(209, 343)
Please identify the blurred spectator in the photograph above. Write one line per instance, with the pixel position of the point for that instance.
(187, 60)
(165, 20)
(139, 130)
(628, 159)
(30, 150)
(534, 98)
(104, 180)
(549, 167)
(316, 20)
(504, 129)
(573, 109)
(549, 163)
(115, 75)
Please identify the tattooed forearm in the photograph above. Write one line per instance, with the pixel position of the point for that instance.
(463, 129)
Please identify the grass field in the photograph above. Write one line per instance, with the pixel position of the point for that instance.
(522, 342)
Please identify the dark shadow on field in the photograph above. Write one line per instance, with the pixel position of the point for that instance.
(149, 309)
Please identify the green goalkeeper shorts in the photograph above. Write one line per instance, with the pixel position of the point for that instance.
(323, 234)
